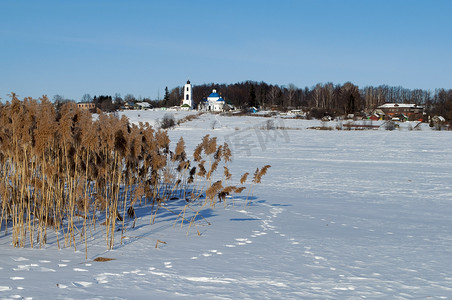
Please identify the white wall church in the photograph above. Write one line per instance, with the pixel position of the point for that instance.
(213, 103)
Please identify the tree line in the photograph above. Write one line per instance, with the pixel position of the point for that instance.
(323, 98)
(328, 98)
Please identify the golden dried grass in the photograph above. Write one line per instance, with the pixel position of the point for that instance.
(62, 171)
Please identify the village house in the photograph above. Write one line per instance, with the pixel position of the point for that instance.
(402, 111)
(142, 106)
(86, 105)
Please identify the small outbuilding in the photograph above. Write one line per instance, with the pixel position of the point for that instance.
(438, 119)
(374, 117)
(142, 106)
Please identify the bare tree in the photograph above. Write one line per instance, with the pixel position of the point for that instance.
(317, 94)
(328, 91)
(58, 98)
(351, 98)
(273, 94)
(290, 95)
(129, 97)
(117, 98)
(87, 98)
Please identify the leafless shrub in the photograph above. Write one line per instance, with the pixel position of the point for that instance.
(189, 118)
(390, 125)
(167, 121)
(269, 125)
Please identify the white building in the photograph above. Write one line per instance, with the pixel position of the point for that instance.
(142, 105)
(213, 103)
(187, 103)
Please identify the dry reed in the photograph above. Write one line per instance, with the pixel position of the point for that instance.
(63, 172)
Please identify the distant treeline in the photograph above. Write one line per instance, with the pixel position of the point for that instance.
(328, 98)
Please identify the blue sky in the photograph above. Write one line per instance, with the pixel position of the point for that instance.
(105, 47)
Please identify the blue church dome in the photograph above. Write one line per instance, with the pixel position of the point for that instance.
(216, 95)
(221, 99)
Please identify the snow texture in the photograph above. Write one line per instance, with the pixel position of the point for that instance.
(340, 215)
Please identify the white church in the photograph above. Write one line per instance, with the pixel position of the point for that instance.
(212, 103)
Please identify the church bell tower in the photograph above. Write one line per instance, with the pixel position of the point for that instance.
(188, 95)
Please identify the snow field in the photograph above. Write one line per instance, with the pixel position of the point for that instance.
(340, 215)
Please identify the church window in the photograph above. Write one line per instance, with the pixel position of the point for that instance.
(186, 97)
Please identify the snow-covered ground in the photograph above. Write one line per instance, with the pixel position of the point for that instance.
(340, 215)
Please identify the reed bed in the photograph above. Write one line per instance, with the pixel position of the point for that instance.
(66, 173)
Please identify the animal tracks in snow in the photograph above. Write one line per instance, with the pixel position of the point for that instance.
(343, 225)
(22, 269)
(33, 267)
(242, 241)
(19, 258)
(82, 284)
(263, 224)
(23, 266)
(257, 233)
(17, 278)
(79, 270)
(208, 253)
(267, 225)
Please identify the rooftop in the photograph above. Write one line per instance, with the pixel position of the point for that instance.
(401, 105)
(214, 95)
